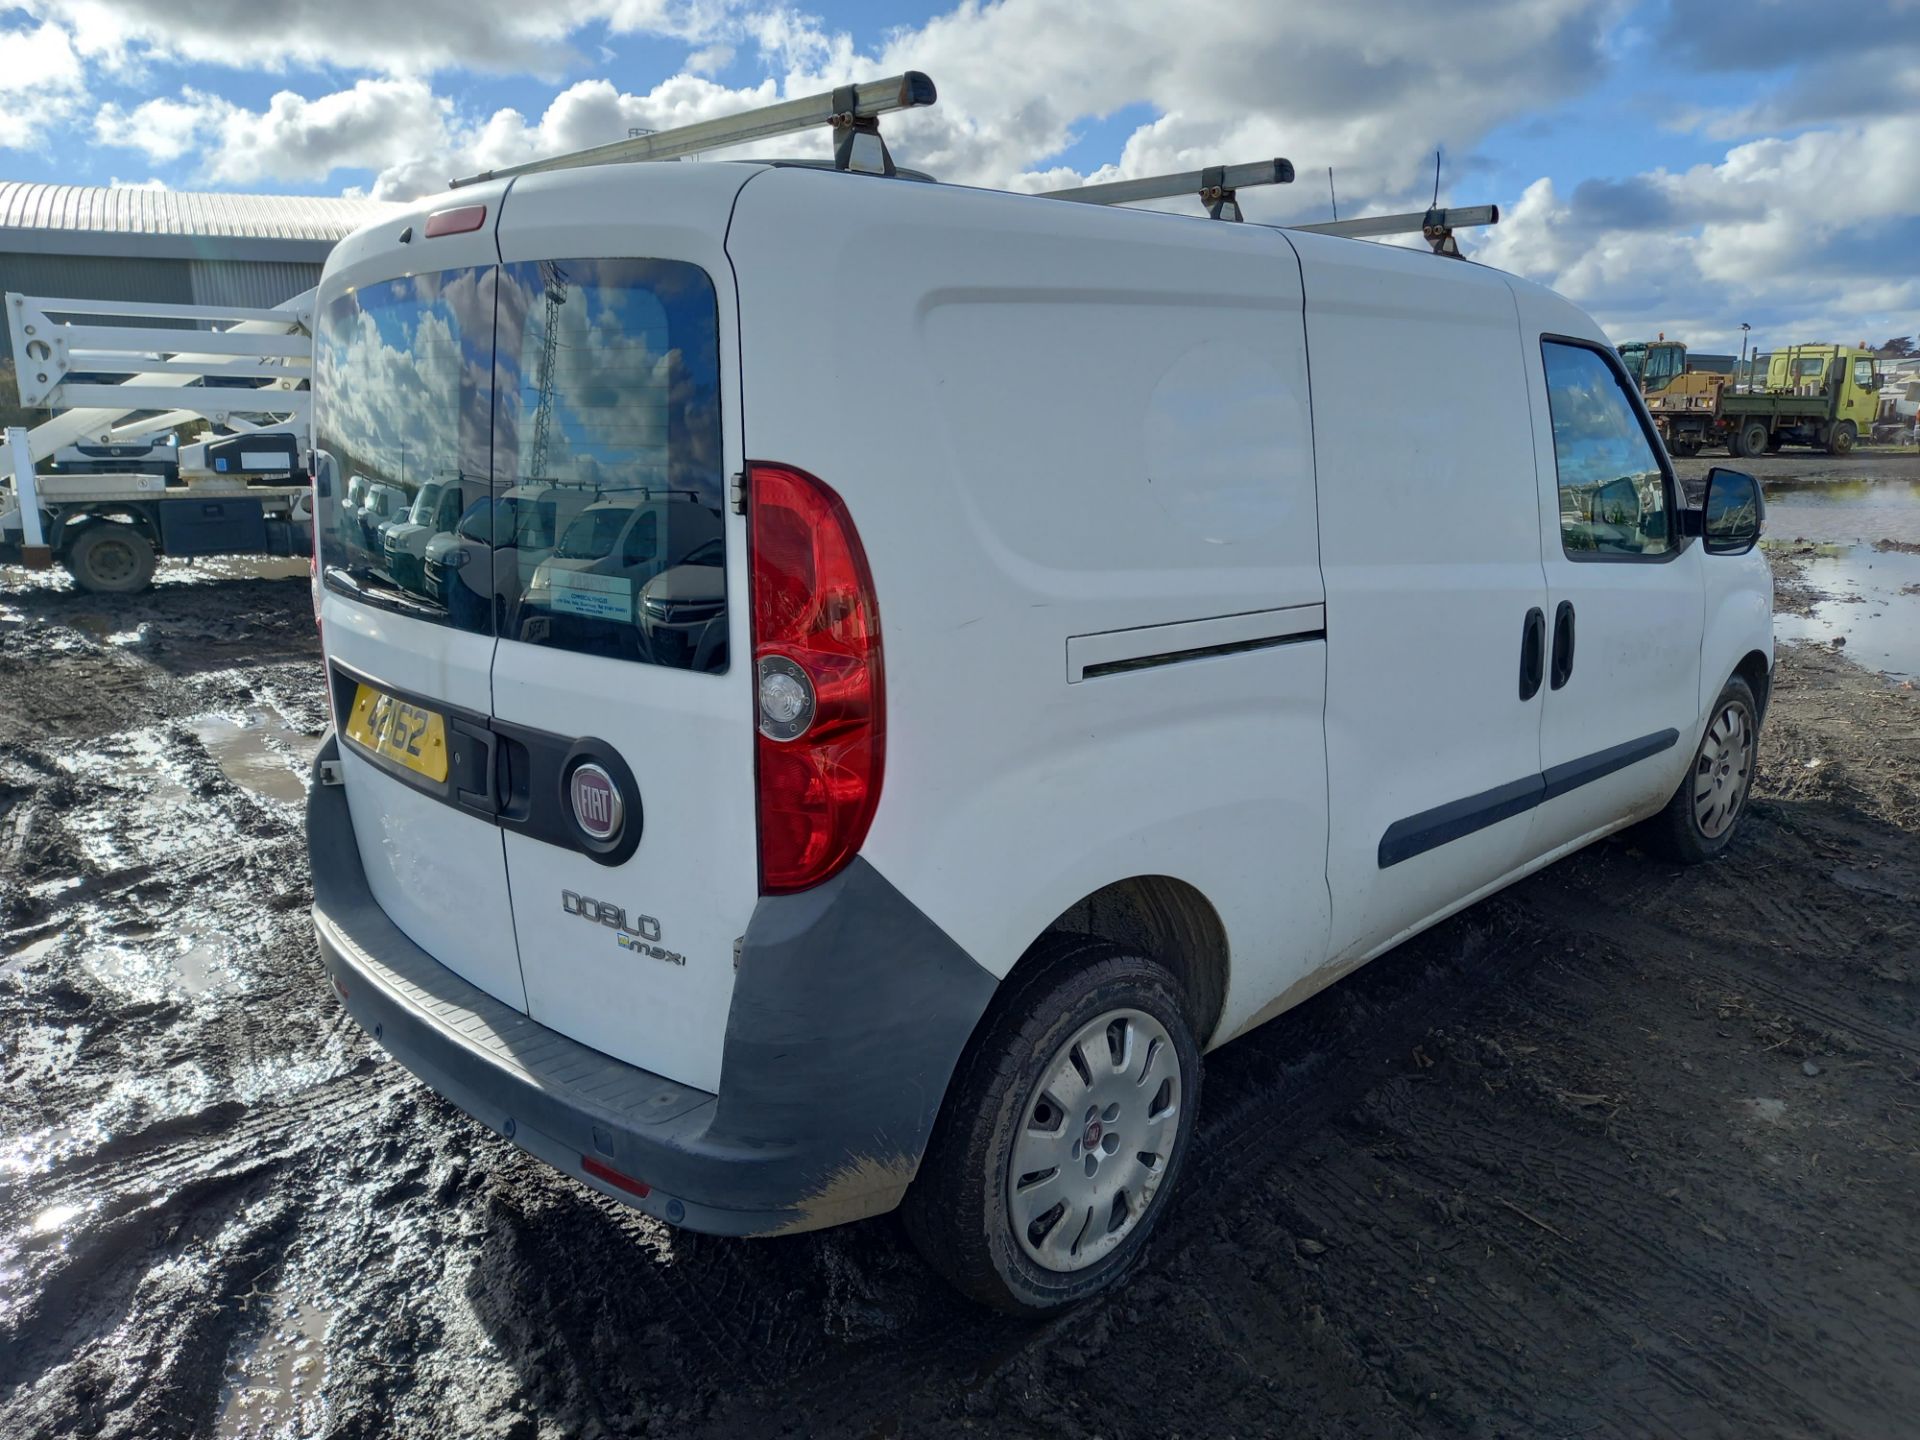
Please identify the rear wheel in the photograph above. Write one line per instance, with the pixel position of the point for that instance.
(1063, 1132)
(1750, 438)
(1703, 814)
(110, 557)
(1842, 437)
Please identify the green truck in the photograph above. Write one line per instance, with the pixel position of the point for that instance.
(1824, 396)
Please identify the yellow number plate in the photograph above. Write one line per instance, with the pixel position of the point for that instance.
(408, 735)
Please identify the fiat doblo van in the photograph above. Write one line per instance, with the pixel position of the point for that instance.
(1065, 666)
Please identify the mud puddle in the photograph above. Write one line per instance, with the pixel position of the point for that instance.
(1870, 605)
(1856, 551)
(273, 1385)
(261, 751)
(1842, 511)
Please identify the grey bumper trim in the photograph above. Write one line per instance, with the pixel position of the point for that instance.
(850, 1011)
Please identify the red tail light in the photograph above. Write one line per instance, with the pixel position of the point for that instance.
(817, 679)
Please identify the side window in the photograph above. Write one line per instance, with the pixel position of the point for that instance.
(1863, 373)
(1613, 493)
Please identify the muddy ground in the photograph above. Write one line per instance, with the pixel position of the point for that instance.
(1624, 1151)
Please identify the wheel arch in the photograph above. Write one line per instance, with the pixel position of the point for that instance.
(1757, 671)
(1164, 919)
(71, 524)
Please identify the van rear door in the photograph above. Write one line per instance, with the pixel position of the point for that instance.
(403, 355)
(625, 712)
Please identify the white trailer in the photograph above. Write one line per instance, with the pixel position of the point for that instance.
(113, 376)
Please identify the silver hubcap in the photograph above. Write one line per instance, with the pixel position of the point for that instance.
(1094, 1140)
(1723, 771)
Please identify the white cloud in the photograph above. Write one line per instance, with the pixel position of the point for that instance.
(387, 37)
(1815, 232)
(42, 84)
(1369, 87)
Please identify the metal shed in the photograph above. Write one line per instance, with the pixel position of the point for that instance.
(168, 246)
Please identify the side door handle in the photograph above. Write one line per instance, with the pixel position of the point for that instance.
(1562, 643)
(1533, 653)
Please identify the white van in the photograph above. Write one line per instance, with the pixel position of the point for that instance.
(1106, 672)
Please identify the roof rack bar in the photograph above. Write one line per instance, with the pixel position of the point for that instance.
(1214, 185)
(1407, 223)
(851, 107)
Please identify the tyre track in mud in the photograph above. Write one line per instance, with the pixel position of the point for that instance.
(1507, 1180)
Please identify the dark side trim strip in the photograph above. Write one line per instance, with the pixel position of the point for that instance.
(1433, 828)
(1197, 652)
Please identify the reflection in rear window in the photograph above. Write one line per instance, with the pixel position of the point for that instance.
(544, 400)
(607, 393)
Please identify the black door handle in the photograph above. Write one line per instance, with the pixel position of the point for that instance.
(1562, 643)
(1533, 653)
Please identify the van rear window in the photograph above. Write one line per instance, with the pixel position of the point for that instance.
(607, 406)
(402, 386)
(568, 412)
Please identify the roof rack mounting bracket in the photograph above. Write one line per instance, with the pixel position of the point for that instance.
(857, 144)
(1221, 199)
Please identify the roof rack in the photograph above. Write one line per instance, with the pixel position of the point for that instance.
(1216, 186)
(1437, 224)
(852, 111)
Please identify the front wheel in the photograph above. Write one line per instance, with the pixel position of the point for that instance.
(1063, 1132)
(1700, 819)
(1842, 437)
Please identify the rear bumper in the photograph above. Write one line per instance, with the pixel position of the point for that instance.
(850, 1010)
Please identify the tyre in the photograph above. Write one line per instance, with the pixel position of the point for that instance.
(1842, 437)
(110, 558)
(1749, 439)
(1063, 1132)
(1700, 819)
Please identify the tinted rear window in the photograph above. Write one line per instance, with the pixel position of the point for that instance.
(402, 386)
(528, 393)
(607, 382)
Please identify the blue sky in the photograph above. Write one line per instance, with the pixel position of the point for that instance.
(1676, 165)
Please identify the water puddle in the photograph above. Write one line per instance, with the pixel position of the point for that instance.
(1870, 601)
(1843, 512)
(1870, 598)
(183, 965)
(260, 751)
(273, 1386)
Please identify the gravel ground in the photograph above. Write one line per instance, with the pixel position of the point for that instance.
(1625, 1151)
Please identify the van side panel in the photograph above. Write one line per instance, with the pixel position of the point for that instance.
(1430, 542)
(1076, 445)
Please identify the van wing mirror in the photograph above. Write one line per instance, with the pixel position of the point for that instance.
(1731, 512)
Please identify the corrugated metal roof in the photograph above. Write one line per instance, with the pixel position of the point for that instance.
(27, 205)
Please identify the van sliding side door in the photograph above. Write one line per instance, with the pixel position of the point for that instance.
(1430, 544)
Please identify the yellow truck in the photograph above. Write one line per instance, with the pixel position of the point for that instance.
(1825, 396)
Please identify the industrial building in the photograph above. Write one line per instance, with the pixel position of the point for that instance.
(167, 246)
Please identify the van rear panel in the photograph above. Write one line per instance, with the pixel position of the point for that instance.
(547, 747)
